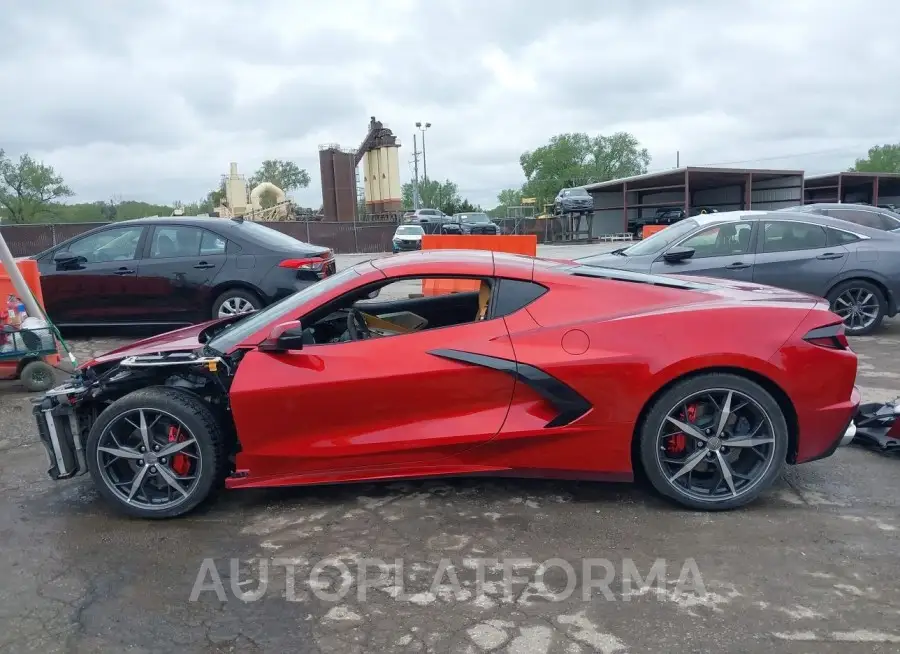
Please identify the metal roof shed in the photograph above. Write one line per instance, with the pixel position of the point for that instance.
(872, 188)
(619, 203)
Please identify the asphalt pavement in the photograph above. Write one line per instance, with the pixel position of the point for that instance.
(457, 566)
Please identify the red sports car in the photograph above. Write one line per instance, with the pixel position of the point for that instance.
(530, 368)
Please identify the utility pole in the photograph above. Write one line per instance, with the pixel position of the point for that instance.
(678, 158)
(416, 173)
(424, 161)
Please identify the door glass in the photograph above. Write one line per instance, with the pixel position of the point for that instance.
(174, 241)
(212, 244)
(720, 241)
(118, 244)
(864, 218)
(790, 236)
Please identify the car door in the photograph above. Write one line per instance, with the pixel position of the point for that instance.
(177, 272)
(406, 399)
(722, 250)
(796, 255)
(100, 284)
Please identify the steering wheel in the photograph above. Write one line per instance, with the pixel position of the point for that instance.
(356, 326)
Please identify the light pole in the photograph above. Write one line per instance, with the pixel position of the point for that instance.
(424, 164)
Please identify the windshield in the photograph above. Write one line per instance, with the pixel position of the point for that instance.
(237, 332)
(410, 229)
(577, 191)
(661, 239)
(271, 237)
(473, 217)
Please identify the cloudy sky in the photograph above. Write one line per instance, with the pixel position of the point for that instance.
(151, 100)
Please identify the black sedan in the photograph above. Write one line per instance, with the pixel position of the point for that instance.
(174, 271)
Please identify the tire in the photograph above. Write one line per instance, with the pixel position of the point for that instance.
(860, 289)
(679, 395)
(37, 376)
(199, 421)
(236, 297)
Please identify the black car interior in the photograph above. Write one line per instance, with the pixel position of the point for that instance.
(357, 317)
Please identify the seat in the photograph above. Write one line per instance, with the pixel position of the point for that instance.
(484, 300)
(165, 247)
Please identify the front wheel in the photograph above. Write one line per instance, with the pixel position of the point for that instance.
(157, 453)
(714, 442)
(861, 304)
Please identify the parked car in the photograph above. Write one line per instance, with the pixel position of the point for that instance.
(174, 271)
(573, 200)
(860, 214)
(430, 219)
(709, 388)
(407, 237)
(475, 222)
(857, 268)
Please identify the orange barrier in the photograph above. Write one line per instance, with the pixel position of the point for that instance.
(29, 270)
(514, 244)
(649, 230)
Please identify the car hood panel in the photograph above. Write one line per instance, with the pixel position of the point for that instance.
(179, 340)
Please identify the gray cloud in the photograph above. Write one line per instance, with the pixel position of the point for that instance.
(153, 99)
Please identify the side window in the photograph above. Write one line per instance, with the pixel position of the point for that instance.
(513, 294)
(840, 237)
(864, 218)
(720, 240)
(212, 243)
(117, 244)
(175, 241)
(789, 236)
(400, 309)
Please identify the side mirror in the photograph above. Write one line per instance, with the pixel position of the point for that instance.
(678, 253)
(284, 337)
(64, 258)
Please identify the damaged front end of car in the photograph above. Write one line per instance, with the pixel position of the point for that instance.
(65, 414)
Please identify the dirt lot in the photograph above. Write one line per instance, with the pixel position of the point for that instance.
(810, 568)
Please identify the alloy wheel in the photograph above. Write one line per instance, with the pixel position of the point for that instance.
(716, 445)
(858, 307)
(149, 459)
(234, 306)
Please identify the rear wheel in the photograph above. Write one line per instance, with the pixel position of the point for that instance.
(861, 304)
(235, 301)
(714, 442)
(157, 453)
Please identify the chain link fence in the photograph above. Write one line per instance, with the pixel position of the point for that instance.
(342, 237)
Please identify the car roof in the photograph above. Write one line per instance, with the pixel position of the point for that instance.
(725, 216)
(840, 205)
(192, 221)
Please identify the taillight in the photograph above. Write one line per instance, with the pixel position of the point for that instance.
(316, 264)
(830, 336)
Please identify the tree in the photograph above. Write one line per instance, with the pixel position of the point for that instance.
(509, 197)
(577, 159)
(437, 195)
(28, 187)
(881, 159)
(286, 175)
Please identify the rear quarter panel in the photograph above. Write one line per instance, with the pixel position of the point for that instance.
(639, 339)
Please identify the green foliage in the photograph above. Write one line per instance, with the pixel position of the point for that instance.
(880, 159)
(437, 195)
(286, 175)
(28, 188)
(509, 197)
(577, 159)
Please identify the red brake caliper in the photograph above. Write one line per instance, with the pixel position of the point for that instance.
(677, 443)
(180, 462)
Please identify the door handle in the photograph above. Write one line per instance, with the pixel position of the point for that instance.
(737, 266)
(203, 265)
(124, 271)
(831, 255)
